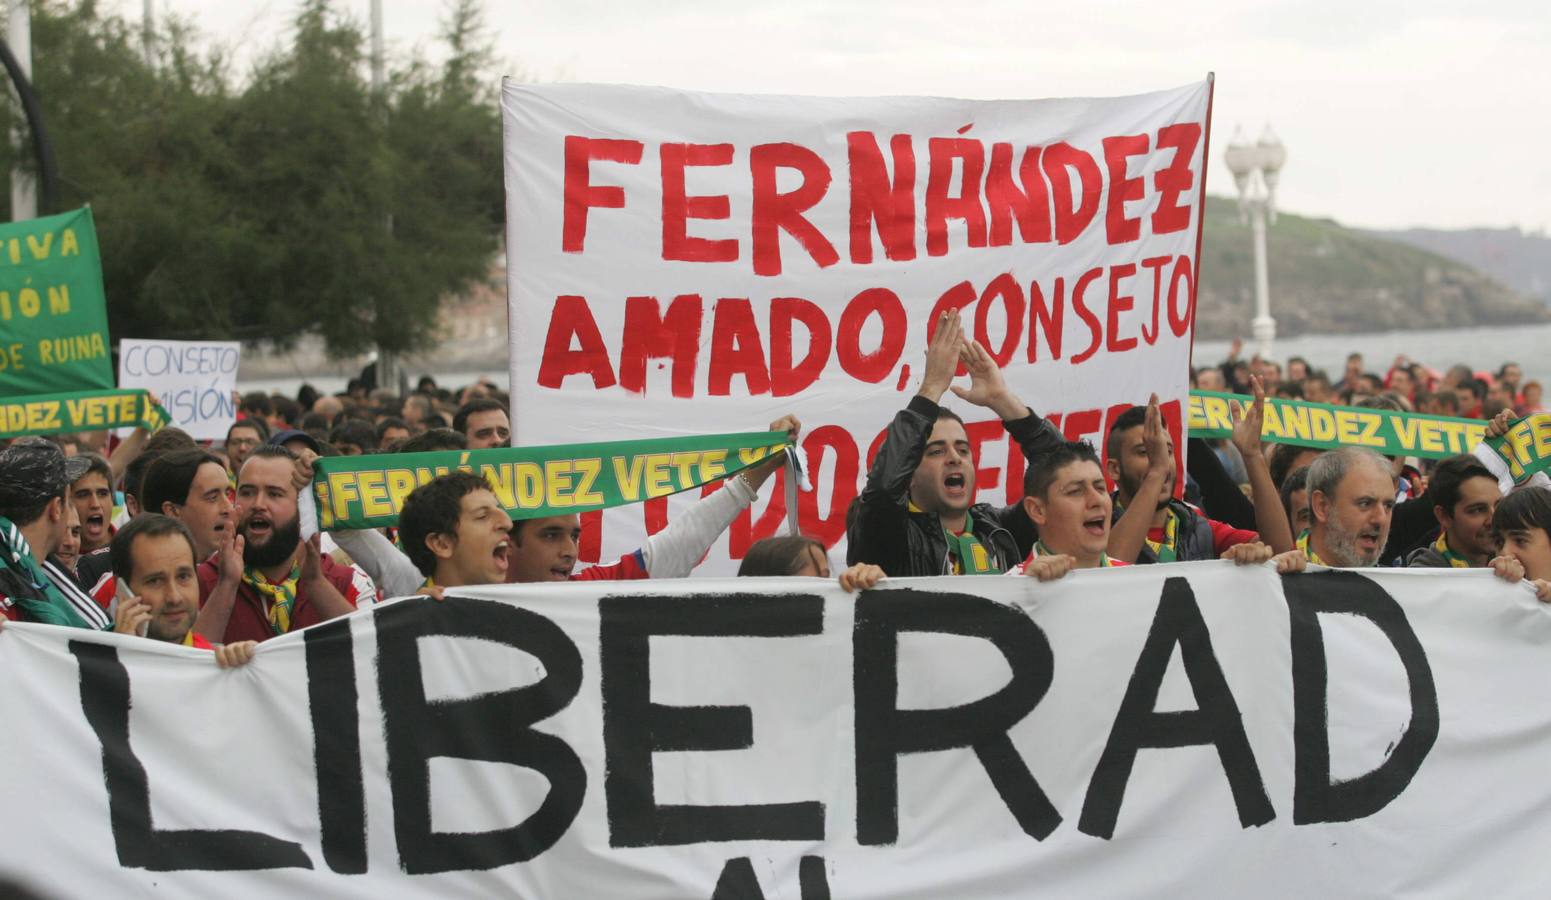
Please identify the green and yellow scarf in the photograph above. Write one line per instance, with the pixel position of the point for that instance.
(281, 596)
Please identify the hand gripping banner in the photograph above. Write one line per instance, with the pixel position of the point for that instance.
(531, 482)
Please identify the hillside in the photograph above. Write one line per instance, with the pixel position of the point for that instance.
(1334, 280)
(1519, 259)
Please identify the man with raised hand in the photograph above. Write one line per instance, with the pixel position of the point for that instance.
(276, 582)
(1152, 526)
(546, 548)
(1065, 495)
(917, 515)
(153, 563)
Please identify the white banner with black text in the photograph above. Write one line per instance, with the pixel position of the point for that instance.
(1196, 729)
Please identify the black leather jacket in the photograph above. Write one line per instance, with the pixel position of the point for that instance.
(881, 529)
(1196, 540)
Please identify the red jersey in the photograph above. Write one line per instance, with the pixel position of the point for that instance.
(627, 568)
(250, 611)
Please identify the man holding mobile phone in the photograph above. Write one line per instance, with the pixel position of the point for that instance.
(153, 563)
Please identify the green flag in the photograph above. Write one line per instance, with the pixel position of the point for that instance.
(531, 482)
(53, 319)
(1326, 427)
(80, 411)
(1524, 450)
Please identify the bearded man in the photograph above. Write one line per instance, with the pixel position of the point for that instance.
(1351, 500)
(268, 581)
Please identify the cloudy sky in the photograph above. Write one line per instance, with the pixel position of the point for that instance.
(1395, 114)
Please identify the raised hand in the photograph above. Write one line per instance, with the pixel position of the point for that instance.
(229, 557)
(1499, 424)
(1246, 431)
(133, 615)
(312, 561)
(942, 356)
(756, 475)
(789, 424)
(301, 473)
(986, 385)
(1156, 438)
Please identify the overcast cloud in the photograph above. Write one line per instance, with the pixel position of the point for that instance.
(1394, 113)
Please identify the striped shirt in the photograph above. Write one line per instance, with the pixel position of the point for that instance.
(80, 601)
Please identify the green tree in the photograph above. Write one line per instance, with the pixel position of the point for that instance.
(262, 210)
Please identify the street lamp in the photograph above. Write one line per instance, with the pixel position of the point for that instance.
(1256, 169)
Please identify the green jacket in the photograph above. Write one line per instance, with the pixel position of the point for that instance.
(24, 583)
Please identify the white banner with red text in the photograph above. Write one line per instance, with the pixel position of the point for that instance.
(1190, 730)
(685, 263)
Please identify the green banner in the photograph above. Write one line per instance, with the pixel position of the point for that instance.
(80, 411)
(53, 318)
(1526, 447)
(1326, 427)
(530, 482)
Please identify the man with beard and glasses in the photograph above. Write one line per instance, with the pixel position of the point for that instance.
(241, 438)
(1351, 500)
(1151, 526)
(273, 582)
(153, 562)
(1464, 495)
(916, 514)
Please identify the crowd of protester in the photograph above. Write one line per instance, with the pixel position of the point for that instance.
(163, 537)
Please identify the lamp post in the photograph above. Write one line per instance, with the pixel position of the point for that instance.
(24, 191)
(1256, 169)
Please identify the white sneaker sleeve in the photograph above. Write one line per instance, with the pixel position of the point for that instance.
(675, 551)
(384, 563)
